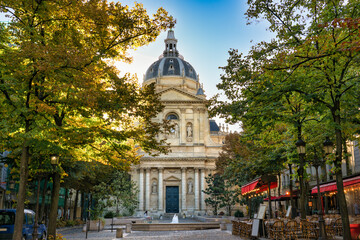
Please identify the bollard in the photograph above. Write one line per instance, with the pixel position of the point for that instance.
(223, 226)
(119, 233)
(128, 228)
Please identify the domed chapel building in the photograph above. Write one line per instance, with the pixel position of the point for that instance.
(173, 183)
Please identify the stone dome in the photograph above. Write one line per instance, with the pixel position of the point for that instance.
(171, 63)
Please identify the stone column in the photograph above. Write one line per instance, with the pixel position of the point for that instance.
(196, 189)
(183, 188)
(202, 187)
(147, 189)
(160, 191)
(141, 189)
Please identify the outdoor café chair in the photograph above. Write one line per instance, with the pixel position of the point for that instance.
(330, 230)
(292, 230)
(277, 230)
(235, 228)
(310, 230)
(338, 227)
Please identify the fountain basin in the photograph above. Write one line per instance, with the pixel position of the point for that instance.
(174, 226)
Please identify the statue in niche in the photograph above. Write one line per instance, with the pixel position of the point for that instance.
(176, 130)
(154, 187)
(189, 130)
(190, 186)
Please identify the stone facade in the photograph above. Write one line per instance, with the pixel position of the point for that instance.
(173, 183)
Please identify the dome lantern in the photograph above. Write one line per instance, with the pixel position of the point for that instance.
(171, 63)
(170, 45)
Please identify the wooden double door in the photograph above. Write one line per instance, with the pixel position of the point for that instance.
(172, 199)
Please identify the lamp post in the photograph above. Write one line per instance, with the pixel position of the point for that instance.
(322, 233)
(70, 195)
(293, 208)
(300, 147)
(328, 148)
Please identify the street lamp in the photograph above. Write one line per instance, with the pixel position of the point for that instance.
(300, 146)
(54, 159)
(328, 146)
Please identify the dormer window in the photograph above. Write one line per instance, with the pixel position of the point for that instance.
(151, 70)
(171, 67)
(171, 60)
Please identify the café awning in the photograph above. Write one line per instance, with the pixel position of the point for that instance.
(280, 198)
(331, 187)
(272, 199)
(257, 186)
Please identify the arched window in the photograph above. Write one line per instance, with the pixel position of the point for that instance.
(172, 116)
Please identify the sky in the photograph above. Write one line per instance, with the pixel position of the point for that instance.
(206, 30)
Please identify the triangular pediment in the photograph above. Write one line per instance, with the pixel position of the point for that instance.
(172, 178)
(174, 94)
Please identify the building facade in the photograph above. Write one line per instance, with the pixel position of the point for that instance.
(173, 183)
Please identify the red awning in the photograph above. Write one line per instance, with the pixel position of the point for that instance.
(280, 198)
(331, 187)
(272, 199)
(249, 186)
(257, 186)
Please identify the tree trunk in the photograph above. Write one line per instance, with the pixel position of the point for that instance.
(65, 216)
(19, 217)
(83, 217)
(279, 193)
(339, 180)
(43, 197)
(347, 160)
(75, 204)
(54, 205)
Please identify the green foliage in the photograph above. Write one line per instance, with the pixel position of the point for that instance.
(109, 214)
(238, 214)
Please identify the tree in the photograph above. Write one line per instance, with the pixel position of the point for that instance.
(221, 192)
(215, 187)
(58, 87)
(118, 191)
(315, 53)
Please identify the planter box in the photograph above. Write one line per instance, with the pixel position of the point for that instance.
(94, 225)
